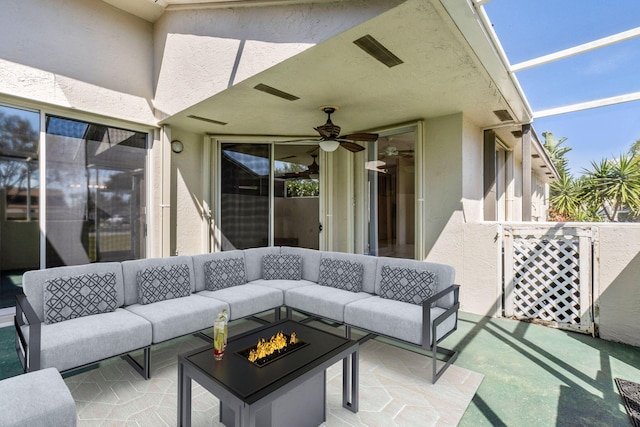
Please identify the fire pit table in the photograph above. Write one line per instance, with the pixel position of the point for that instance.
(287, 390)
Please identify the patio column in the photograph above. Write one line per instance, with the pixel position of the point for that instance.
(526, 172)
(489, 179)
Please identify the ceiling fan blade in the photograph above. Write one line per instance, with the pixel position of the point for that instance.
(323, 133)
(364, 137)
(351, 146)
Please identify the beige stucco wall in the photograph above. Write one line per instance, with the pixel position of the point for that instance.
(443, 188)
(454, 232)
(187, 196)
(618, 282)
(201, 52)
(472, 170)
(76, 54)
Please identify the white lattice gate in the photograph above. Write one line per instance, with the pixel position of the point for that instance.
(548, 276)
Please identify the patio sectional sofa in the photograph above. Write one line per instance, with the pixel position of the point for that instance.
(75, 316)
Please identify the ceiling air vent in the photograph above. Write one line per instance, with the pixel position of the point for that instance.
(374, 48)
(204, 119)
(503, 115)
(535, 156)
(275, 92)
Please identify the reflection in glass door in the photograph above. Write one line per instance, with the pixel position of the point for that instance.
(245, 195)
(392, 196)
(297, 196)
(268, 202)
(19, 198)
(95, 197)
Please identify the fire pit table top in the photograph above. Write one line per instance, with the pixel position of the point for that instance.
(250, 382)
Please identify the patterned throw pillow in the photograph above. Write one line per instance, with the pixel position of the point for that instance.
(224, 273)
(407, 284)
(70, 297)
(341, 274)
(163, 283)
(282, 267)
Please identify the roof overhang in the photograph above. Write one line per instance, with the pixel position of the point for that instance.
(441, 74)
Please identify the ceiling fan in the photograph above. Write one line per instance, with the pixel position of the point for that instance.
(330, 138)
(390, 150)
(312, 172)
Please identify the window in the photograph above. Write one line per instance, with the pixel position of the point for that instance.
(19, 198)
(392, 184)
(95, 192)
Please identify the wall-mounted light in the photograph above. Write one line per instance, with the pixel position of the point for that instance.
(177, 146)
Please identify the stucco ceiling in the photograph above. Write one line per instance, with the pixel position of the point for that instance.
(444, 71)
(440, 76)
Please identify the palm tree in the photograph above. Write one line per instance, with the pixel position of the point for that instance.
(564, 198)
(556, 152)
(613, 185)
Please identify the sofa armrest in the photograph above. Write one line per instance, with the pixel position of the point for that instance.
(28, 348)
(429, 325)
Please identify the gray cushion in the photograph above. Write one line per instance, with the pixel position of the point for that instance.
(253, 258)
(77, 296)
(180, 316)
(163, 282)
(33, 281)
(39, 398)
(368, 262)
(407, 284)
(224, 273)
(310, 261)
(445, 275)
(77, 342)
(282, 267)
(393, 318)
(341, 274)
(248, 299)
(321, 300)
(200, 260)
(131, 268)
(283, 285)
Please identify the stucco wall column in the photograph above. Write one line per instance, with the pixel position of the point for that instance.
(526, 172)
(489, 175)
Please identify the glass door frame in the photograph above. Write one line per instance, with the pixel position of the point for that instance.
(368, 191)
(213, 151)
(102, 121)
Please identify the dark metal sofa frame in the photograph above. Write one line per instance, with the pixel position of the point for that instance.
(29, 350)
(427, 333)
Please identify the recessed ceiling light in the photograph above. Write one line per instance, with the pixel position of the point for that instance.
(204, 119)
(374, 48)
(503, 115)
(275, 92)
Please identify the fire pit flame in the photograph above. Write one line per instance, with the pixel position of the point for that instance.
(275, 344)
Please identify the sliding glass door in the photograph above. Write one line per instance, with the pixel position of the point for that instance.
(269, 195)
(245, 195)
(95, 193)
(392, 195)
(19, 199)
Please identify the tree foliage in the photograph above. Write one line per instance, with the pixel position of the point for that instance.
(303, 188)
(607, 191)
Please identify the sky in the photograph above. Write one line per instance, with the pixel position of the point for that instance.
(528, 29)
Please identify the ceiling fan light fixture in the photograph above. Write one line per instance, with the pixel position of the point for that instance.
(329, 145)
